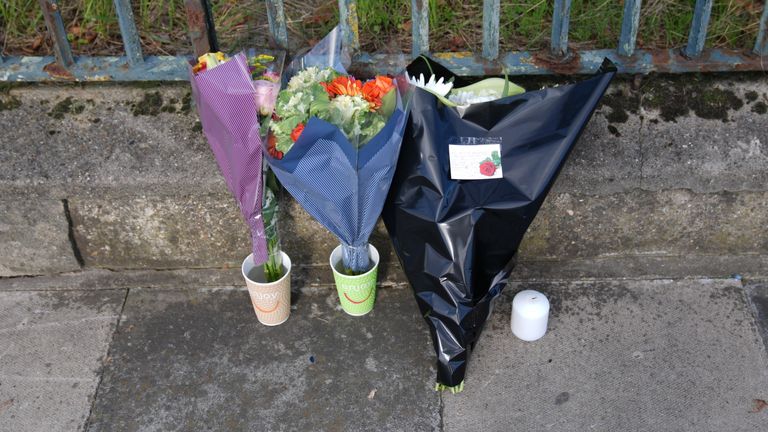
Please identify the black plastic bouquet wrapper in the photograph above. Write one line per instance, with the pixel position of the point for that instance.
(457, 239)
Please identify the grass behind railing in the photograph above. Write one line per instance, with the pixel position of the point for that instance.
(455, 25)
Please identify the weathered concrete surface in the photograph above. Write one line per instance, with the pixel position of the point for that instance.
(64, 141)
(199, 360)
(152, 231)
(35, 238)
(758, 296)
(51, 351)
(643, 266)
(653, 355)
(667, 223)
(720, 147)
(100, 279)
(668, 168)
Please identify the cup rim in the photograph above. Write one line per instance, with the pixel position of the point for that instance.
(249, 259)
(372, 251)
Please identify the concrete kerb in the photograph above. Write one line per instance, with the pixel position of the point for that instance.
(144, 192)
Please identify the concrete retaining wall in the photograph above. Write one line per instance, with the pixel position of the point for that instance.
(669, 179)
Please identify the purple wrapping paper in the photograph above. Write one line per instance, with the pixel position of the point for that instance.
(226, 103)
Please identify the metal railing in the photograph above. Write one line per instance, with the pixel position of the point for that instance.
(134, 66)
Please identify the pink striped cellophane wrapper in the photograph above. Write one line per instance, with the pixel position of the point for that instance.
(227, 107)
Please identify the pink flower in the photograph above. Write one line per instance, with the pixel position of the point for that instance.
(487, 168)
(266, 96)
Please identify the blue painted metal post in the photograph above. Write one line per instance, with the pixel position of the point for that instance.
(131, 41)
(58, 34)
(698, 33)
(277, 26)
(761, 44)
(629, 25)
(491, 10)
(350, 29)
(560, 19)
(420, 27)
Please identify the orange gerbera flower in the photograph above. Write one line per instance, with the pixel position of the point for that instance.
(343, 85)
(376, 89)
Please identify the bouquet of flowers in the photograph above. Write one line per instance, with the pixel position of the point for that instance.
(359, 110)
(477, 163)
(333, 143)
(231, 105)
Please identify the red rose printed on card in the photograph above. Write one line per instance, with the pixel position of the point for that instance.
(487, 168)
(489, 165)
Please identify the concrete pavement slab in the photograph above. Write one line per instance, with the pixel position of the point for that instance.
(758, 295)
(52, 345)
(34, 234)
(199, 360)
(620, 356)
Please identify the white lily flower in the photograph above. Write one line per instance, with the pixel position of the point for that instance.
(438, 87)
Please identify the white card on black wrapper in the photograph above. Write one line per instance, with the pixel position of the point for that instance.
(475, 161)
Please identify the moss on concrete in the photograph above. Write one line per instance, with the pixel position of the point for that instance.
(751, 96)
(66, 106)
(760, 108)
(9, 103)
(678, 96)
(621, 104)
(186, 103)
(150, 104)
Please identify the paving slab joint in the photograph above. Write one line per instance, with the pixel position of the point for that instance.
(106, 360)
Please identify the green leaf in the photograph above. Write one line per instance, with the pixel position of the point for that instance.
(320, 100)
(388, 104)
(496, 159)
(499, 86)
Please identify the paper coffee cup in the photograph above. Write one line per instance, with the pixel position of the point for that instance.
(357, 294)
(271, 300)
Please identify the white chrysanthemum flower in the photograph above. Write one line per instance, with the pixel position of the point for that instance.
(303, 78)
(437, 87)
(464, 98)
(343, 108)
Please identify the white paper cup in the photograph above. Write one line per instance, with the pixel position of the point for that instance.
(271, 300)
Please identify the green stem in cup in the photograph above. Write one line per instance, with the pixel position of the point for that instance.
(273, 268)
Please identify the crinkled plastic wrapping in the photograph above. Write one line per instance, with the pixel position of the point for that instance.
(457, 239)
(341, 184)
(225, 100)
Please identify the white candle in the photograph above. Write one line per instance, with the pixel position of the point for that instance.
(530, 312)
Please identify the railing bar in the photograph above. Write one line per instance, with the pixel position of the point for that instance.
(629, 25)
(561, 17)
(491, 9)
(198, 30)
(213, 41)
(277, 25)
(761, 44)
(350, 30)
(420, 26)
(698, 34)
(55, 26)
(131, 41)
(165, 68)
